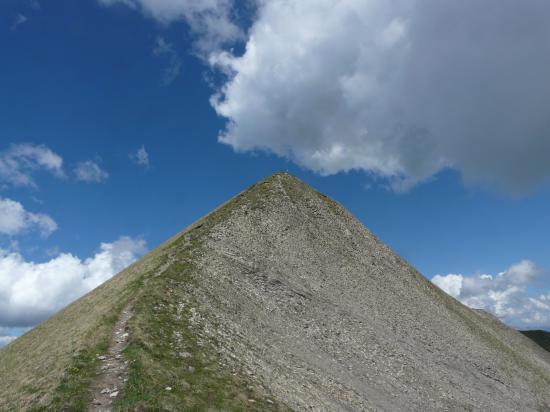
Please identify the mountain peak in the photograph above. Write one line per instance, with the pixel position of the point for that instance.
(278, 299)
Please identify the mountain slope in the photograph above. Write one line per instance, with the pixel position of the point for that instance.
(540, 337)
(279, 300)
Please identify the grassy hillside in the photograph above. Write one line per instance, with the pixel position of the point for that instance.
(52, 366)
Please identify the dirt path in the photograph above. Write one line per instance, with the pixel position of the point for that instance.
(113, 371)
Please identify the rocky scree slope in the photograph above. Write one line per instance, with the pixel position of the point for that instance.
(277, 300)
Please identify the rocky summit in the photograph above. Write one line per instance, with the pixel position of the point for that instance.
(277, 300)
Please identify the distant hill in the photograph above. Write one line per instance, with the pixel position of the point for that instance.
(540, 337)
(277, 300)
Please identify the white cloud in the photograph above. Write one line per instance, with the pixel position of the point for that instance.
(209, 20)
(30, 292)
(506, 295)
(166, 50)
(141, 157)
(4, 340)
(8, 335)
(18, 21)
(20, 161)
(89, 171)
(451, 284)
(14, 219)
(401, 89)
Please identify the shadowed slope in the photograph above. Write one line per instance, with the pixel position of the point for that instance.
(280, 298)
(540, 337)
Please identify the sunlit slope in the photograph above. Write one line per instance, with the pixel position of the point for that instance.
(33, 367)
(279, 299)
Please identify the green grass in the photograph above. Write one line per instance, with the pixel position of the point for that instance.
(73, 392)
(51, 366)
(161, 332)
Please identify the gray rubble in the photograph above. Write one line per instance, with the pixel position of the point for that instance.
(303, 298)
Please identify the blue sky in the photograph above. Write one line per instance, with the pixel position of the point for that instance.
(452, 174)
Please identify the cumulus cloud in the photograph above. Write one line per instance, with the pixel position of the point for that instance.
(31, 292)
(166, 50)
(506, 295)
(89, 172)
(450, 284)
(20, 161)
(209, 20)
(4, 340)
(399, 89)
(8, 335)
(14, 219)
(141, 157)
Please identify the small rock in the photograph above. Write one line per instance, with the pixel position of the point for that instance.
(113, 394)
(106, 390)
(251, 400)
(269, 401)
(96, 402)
(102, 357)
(168, 388)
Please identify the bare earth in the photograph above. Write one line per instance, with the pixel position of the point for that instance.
(113, 372)
(329, 318)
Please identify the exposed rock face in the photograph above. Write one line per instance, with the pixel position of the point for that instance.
(329, 318)
(302, 307)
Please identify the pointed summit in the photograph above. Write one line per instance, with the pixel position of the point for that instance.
(279, 299)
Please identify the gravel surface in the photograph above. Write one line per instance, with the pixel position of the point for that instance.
(301, 296)
(113, 371)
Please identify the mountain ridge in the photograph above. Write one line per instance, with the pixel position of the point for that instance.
(279, 299)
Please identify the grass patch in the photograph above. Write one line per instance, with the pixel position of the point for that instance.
(74, 391)
(165, 351)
